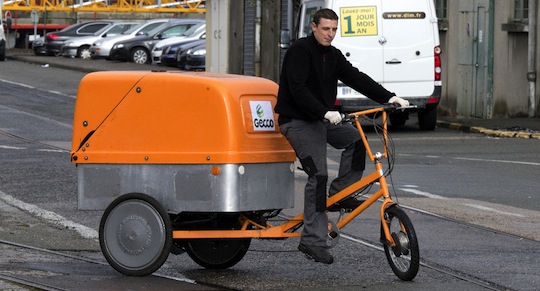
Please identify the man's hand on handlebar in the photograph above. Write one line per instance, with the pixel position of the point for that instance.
(333, 116)
(400, 102)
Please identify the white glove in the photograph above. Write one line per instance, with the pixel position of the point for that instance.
(333, 116)
(396, 100)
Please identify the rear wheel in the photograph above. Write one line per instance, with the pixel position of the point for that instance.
(427, 118)
(398, 119)
(404, 257)
(135, 234)
(218, 253)
(139, 56)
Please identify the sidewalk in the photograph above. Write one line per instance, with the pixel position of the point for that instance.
(499, 127)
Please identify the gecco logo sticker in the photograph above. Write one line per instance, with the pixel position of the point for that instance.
(262, 115)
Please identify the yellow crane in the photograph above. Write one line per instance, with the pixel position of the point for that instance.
(134, 6)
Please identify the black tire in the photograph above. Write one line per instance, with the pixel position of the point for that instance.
(398, 119)
(404, 258)
(218, 253)
(427, 118)
(135, 234)
(140, 56)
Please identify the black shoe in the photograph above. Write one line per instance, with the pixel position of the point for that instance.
(319, 254)
(348, 205)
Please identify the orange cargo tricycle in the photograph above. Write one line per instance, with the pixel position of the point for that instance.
(194, 162)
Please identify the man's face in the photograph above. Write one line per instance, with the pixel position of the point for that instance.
(325, 32)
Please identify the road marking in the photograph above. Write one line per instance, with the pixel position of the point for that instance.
(12, 148)
(49, 216)
(493, 210)
(32, 87)
(499, 161)
(19, 84)
(476, 160)
(38, 150)
(52, 151)
(422, 193)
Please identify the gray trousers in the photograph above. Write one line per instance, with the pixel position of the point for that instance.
(309, 140)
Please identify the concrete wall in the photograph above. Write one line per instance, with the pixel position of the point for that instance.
(508, 59)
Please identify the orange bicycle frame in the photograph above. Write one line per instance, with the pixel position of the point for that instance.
(253, 229)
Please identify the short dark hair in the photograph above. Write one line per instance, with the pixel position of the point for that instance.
(326, 14)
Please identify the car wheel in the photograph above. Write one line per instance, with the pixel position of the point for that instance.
(2, 50)
(84, 52)
(427, 118)
(139, 56)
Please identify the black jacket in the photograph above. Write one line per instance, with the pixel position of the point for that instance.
(309, 78)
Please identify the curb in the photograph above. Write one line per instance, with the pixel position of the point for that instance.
(487, 131)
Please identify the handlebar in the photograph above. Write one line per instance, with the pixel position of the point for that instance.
(387, 107)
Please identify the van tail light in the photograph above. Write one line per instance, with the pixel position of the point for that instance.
(438, 68)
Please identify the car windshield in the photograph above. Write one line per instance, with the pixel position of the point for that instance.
(158, 29)
(194, 29)
(134, 28)
(102, 30)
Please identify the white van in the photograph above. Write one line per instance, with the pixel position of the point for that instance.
(396, 42)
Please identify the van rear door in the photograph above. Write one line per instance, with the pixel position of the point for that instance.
(358, 38)
(392, 41)
(409, 41)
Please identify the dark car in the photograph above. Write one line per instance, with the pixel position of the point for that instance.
(53, 41)
(170, 54)
(2, 43)
(138, 49)
(39, 48)
(196, 58)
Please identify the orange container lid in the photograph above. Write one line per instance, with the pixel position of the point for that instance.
(177, 118)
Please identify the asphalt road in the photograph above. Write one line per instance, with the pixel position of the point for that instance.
(472, 198)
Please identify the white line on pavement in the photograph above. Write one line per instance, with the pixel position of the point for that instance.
(493, 210)
(49, 216)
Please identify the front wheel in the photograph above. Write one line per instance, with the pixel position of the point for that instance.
(135, 234)
(404, 257)
(84, 52)
(140, 56)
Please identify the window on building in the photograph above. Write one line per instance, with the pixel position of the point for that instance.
(521, 10)
(440, 7)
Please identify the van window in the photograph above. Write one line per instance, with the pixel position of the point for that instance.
(308, 18)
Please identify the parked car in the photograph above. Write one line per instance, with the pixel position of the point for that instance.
(101, 49)
(138, 49)
(38, 46)
(53, 41)
(174, 54)
(196, 58)
(195, 32)
(2, 43)
(80, 46)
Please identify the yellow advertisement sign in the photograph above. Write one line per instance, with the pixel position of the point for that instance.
(358, 21)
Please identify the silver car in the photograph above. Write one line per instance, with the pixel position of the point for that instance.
(195, 32)
(80, 47)
(100, 49)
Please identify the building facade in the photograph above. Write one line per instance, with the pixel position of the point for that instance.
(489, 57)
(489, 51)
